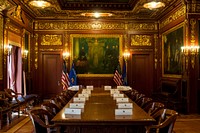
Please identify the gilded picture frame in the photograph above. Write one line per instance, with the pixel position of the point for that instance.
(96, 55)
(172, 40)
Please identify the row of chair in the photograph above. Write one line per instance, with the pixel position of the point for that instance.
(165, 118)
(11, 101)
(41, 117)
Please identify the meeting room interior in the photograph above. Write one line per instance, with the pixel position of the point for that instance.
(99, 66)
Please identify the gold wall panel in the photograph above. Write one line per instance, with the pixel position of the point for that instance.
(141, 40)
(142, 26)
(174, 16)
(51, 40)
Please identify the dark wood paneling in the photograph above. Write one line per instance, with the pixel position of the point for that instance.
(142, 72)
(96, 81)
(51, 74)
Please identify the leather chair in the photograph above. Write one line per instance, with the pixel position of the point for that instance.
(144, 101)
(138, 97)
(56, 100)
(41, 120)
(152, 107)
(5, 109)
(165, 120)
(51, 107)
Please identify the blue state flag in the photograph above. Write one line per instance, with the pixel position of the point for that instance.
(124, 74)
(72, 76)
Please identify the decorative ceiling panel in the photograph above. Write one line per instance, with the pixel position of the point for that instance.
(121, 9)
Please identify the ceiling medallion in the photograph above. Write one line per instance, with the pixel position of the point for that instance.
(96, 15)
(40, 3)
(153, 5)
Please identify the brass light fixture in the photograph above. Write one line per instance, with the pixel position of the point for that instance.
(126, 55)
(40, 3)
(25, 54)
(190, 52)
(96, 14)
(154, 4)
(66, 55)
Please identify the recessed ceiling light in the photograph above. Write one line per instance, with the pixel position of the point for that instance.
(39, 3)
(153, 5)
(96, 15)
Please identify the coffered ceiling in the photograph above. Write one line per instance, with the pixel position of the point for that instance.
(72, 9)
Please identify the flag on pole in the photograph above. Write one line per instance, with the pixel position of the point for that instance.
(124, 74)
(117, 76)
(72, 76)
(65, 77)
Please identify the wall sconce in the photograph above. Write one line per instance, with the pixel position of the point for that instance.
(192, 52)
(66, 56)
(9, 49)
(126, 55)
(25, 54)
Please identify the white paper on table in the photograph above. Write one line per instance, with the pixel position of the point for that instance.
(89, 87)
(125, 105)
(118, 95)
(79, 99)
(86, 91)
(114, 91)
(76, 105)
(122, 100)
(107, 87)
(123, 111)
(72, 111)
(74, 88)
(120, 87)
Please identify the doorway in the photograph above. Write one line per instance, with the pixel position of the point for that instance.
(14, 71)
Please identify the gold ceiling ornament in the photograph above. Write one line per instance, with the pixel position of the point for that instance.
(153, 4)
(96, 14)
(40, 3)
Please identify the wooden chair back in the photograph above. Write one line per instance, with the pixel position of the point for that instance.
(165, 119)
(41, 120)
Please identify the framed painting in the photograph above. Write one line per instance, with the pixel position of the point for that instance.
(172, 41)
(95, 54)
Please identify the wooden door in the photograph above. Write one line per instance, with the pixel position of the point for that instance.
(51, 74)
(142, 72)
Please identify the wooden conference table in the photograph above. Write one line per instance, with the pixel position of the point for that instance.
(98, 116)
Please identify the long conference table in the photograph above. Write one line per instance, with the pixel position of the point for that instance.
(98, 116)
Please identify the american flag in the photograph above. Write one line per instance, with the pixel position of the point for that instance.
(117, 76)
(65, 77)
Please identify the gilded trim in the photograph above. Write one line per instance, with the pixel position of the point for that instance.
(141, 40)
(79, 25)
(1, 46)
(36, 51)
(174, 16)
(142, 26)
(51, 40)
